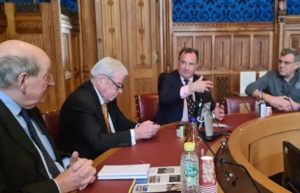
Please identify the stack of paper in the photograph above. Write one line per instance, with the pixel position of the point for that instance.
(109, 172)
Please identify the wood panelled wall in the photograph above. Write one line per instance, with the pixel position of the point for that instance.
(57, 33)
(141, 34)
(129, 31)
(225, 50)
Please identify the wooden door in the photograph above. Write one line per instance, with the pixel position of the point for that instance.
(129, 31)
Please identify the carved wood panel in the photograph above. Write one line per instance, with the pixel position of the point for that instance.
(224, 54)
(222, 87)
(30, 23)
(204, 44)
(71, 53)
(241, 54)
(129, 31)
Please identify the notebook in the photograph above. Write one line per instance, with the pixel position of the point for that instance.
(137, 171)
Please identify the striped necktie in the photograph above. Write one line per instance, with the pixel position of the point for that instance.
(190, 102)
(105, 113)
(34, 136)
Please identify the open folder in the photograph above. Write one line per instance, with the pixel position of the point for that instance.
(138, 171)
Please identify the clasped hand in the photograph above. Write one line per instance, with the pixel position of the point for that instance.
(79, 174)
(283, 103)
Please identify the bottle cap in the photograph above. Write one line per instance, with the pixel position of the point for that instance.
(193, 120)
(189, 146)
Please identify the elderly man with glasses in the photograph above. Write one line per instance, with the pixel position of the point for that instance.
(281, 87)
(90, 120)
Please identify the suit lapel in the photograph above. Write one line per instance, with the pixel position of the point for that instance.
(16, 132)
(96, 102)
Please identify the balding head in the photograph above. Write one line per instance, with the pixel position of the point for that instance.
(16, 57)
(20, 48)
(24, 72)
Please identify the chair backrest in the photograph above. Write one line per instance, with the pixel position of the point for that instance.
(52, 120)
(236, 104)
(146, 106)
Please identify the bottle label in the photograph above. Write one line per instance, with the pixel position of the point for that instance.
(191, 174)
(262, 110)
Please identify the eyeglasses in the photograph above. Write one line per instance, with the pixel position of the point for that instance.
(119, 86)
(286, 63)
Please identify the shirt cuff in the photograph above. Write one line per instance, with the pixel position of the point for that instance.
(57, 186)
(184, 91)
(133, 142)
(213, 114)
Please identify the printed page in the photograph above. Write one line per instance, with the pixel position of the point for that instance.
(245, 79)
(160, 179)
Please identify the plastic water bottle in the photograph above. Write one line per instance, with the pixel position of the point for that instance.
(189, 169)
(262, 104)
(194, 137)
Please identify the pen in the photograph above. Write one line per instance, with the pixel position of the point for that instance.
(141, 161)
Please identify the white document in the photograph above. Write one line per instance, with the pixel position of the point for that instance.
(138, 171)
(245, 79)
(261, 73)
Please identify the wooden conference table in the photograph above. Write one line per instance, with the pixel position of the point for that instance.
(164, 149)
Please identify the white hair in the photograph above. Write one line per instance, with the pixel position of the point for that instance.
(108, 66)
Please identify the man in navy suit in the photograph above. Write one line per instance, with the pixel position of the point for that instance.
(84, 123)
(174, 88)
(29, 160)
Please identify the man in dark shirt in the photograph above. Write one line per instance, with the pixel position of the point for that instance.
(281, 87)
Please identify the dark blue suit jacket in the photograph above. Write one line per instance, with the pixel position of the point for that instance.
(82, 126)
(170, 103)
(21, 167)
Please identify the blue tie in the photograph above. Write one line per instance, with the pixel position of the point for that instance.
(190, 102)
(49, 161)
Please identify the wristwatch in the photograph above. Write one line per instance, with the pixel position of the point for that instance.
(298, 107)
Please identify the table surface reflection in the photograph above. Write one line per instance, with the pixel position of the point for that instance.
(164, 149)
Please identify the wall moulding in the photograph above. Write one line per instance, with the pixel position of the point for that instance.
(293, 20)
(29, 27)
(223, 26)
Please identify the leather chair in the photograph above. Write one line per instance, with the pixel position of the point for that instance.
(146, 106)
(52, 120)
(236, 104)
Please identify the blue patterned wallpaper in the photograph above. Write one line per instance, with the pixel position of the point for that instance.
(69, 4)
(293, 7)
(223, 10)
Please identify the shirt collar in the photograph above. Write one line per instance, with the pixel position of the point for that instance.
(99, 96)
(183, 82)
(10, 104)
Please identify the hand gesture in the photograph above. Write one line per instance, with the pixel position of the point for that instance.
(219, 112)
(201, 85)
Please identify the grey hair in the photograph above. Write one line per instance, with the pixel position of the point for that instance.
(286, 51)
(12, 66)
(108, 66)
